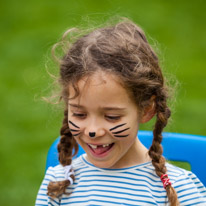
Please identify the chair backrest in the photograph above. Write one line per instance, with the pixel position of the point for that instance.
(176, 147)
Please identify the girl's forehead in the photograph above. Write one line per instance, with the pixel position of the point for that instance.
(97, 80)
(100, 89)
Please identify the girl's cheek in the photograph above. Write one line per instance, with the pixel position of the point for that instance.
(74, 127)
(120, 130)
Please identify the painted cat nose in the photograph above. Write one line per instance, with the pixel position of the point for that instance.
(92, 134)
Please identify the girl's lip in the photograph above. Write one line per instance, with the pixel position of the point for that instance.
(99, 144)
(102, 154)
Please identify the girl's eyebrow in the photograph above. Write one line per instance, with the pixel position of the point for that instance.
(103, 108)
(113, 108)
(76, 105)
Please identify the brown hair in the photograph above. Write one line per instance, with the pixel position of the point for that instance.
(123, 50)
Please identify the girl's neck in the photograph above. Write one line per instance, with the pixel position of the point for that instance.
(139, 155)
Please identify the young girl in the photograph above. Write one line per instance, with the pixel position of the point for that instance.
(112, 82)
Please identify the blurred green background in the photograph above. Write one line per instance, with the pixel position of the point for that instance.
(29, 29)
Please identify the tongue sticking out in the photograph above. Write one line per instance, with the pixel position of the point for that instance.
(101, 150)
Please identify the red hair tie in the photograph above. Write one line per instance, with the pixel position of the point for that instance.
(165, 180)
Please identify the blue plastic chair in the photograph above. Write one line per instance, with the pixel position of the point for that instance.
(177, 147)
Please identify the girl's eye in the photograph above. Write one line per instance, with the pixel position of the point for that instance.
(79, 115)
(113, 117)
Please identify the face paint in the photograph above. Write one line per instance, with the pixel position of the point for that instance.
(119, 132)
(73, 124)
(92, 134)
(117, 126)
(75, 132)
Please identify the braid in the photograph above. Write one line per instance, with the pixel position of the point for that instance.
(155, 151)
(65, 148)
(66, 143)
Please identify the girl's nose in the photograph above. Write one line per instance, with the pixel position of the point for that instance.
(94, 131)
(92, 134)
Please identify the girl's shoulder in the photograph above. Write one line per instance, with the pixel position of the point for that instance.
(189, 188)
(175, 171)
(57, 173)
(177, 174)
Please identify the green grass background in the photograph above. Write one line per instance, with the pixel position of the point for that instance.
(30, 28)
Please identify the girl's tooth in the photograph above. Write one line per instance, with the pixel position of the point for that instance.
(93, 146)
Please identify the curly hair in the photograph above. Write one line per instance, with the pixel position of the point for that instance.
(121, 49)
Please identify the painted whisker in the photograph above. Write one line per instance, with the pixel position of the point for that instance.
(77, 131)
(73, 124)
(74, 130)
(121, 135)
(120, 125)
(120, 131)
(76, 134)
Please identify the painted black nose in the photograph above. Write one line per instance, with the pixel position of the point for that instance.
(92, 134)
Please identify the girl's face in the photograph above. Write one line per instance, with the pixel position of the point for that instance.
(104, 121)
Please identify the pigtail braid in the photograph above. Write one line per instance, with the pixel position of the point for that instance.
(156, 150)
(67, 143)
(65, 149)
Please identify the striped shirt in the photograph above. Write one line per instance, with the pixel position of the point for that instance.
(137, 185)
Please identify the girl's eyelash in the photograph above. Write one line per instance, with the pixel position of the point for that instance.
(81, 115)
(113, 117)
(78, 115)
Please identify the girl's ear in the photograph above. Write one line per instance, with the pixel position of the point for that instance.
(148, 113)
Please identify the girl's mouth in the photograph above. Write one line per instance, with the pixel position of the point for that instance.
(100, 150)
